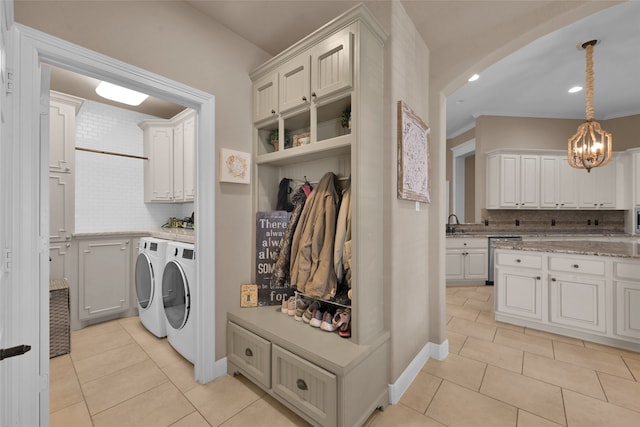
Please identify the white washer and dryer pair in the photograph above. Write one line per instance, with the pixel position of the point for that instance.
(178, 287)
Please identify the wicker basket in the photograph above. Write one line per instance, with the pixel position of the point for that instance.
(59, 318)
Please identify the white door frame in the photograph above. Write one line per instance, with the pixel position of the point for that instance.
(30, 208)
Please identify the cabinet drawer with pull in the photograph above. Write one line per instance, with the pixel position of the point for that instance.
(577, 265)
(250, 353)
(518, 260)
(308, 387)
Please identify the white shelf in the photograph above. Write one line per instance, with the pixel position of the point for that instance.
(328, 147)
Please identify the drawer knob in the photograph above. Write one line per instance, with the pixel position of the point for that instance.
(553, 279)
(301, 384)
(538, 277)
(576, 266)
(518, 260)
(248, 352)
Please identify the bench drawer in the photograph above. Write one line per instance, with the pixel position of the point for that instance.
(249, 352)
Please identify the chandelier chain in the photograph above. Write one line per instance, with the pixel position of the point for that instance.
(590, 113)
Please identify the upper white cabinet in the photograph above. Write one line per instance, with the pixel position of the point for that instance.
(558, 183)
(265, 98)
(518, 182)
(331, 65)
(62, 131)
(598, 188)
(169, 147)
(294, 84)
(636, 178)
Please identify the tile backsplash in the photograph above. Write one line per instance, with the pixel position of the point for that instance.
(550, 221)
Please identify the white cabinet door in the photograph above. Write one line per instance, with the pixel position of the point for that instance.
(636, 179)
(178, 162)
(62, 132)
(493, 182)
(60, 262)
(455, 265)
(578, 302)
(189, 158)
(627, 295)
(61, 205)
(265, 98)
(158, 147)
(549, 182)
(606, 188)
(509, 181)
(568, 184)
(104, 277)
(519, 292)
(529, 181)
(476, 264)
(331, 65)
(294, 84)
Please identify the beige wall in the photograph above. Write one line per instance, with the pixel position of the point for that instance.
(174, 40)
(406, 230)
(494, 132)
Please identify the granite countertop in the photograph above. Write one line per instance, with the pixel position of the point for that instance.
(610, 249)
(534, 234)
(176, 234)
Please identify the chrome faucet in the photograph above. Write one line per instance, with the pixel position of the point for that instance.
(449, 228)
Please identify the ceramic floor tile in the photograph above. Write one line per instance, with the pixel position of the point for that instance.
(621, 392)
(64, 388)
(456, 341)
(634, 367)
(456, 300)
(162, 353)
(457, 406)
(473, 294)
(471, 329)
(86, 344)
(400, 415)
(554, 337)
(75, 415)
(421, 391)
(584, 411)
(138, 332)
(181, 374)
(157, 407)
(462, 312)
(110, 390)
(613, 350)
(194, 419)
(563, 374)
(457, 369)
(528, 343)
(488, 318)
(526, 419)
(479, 305)
(223, 398)
(451, 291)
(266, 412)
(537, 397)
(493, 354)
(61, 367)
(592, 359)
(110, 361)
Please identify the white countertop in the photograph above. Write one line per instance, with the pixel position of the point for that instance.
(175, 234)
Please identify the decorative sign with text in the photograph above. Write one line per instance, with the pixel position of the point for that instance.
(270, 228)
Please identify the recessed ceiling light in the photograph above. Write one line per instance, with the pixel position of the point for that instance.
(474, 77)
(575, 89)
(120, 94)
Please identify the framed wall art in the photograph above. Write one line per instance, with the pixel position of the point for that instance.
(235, 166)
(414, 162)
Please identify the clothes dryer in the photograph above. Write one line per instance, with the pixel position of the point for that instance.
(150, 263)
(178, 286)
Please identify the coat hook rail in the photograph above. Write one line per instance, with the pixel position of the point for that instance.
(111, 153)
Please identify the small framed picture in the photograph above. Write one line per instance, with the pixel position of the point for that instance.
(235, 166)
(301, 139)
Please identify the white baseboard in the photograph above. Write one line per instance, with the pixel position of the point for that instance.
(437, 351)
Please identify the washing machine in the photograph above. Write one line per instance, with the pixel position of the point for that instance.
(150, 263)
(178, 286)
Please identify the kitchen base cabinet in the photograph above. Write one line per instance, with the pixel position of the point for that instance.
(578, 302)
(327, 380)
(626, 289)
(104, 277)
(466, 260)
(520, 293)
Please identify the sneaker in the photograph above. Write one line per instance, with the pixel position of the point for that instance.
(291, 306)
(308, 313)
(316, 321)
(327, 323)
(301, 307)
(345, 330)
(285, 306)
(341, 317)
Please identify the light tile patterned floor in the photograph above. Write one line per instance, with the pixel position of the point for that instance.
(496, 374)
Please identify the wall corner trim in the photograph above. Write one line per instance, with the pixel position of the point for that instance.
(437, 351)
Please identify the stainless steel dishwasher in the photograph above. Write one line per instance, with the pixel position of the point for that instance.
(493, 240)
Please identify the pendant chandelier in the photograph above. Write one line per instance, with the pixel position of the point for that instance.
(590, 147)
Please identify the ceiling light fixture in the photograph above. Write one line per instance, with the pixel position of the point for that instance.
(575, 89)
(474, 78)
(120, 94)
(590, 147)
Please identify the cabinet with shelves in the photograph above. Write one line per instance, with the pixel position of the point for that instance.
(169, 147)
(336, 84)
